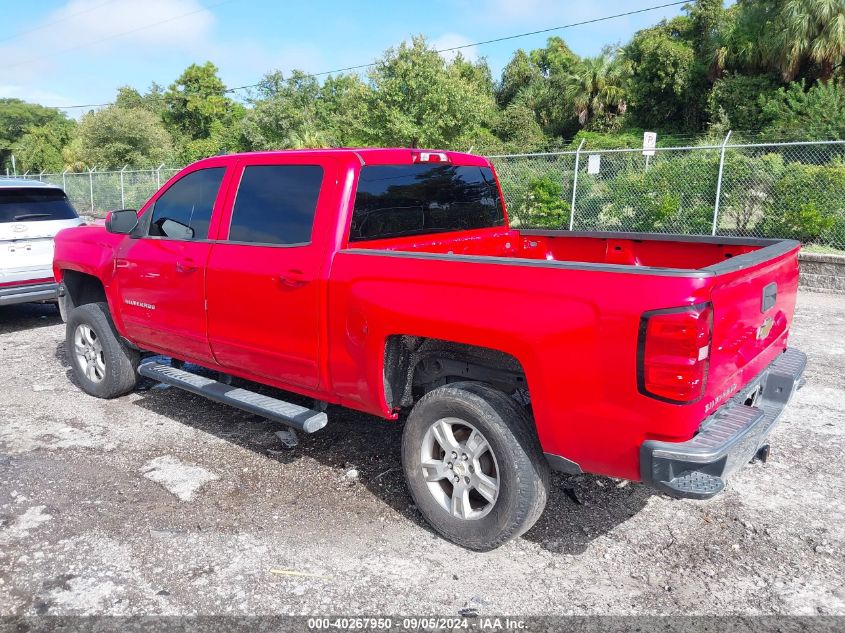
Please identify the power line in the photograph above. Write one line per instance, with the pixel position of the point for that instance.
(116, 35)
(492, 41)
(64, 19)
(441, 50)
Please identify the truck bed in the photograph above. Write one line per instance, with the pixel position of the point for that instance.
(671, 253)
(580, 298)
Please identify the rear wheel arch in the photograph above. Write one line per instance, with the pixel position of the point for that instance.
(415, 365)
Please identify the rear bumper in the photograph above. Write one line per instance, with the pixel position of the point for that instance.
(25, 293)
(728, 439)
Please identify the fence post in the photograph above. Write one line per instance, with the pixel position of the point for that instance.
(575, 185)
(41, 175)
(64, 179)
(122, 196)
(719, 182)
(158, 177)
(91, 186)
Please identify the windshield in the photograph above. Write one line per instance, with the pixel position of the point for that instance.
(34, 205)
(397, 200)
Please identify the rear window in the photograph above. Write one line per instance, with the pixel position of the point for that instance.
(398, 200)
(34, 205)
(276, 204)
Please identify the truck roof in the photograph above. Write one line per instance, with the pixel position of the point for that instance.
(376, 155)
(20, 183)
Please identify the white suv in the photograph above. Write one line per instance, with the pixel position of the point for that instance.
(31, 213)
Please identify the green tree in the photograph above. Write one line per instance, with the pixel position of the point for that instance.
(817, 113)
(420, 100)
(152, 100)
(807, 32)
(284, 113)
(738, 97)
(517, 126)
(16, 118)
(196, 100)
(666, 79)
(342, 111)
(537, 81)
(40, 148)
(519, 73)
(596, 88)
(115, 136)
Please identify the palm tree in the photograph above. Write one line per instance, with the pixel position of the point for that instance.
(596, 87)
(807, 31)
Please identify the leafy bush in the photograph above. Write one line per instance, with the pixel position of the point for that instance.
(817, 113)
(675, 195)
(807, 204)
(542, 205)
(739, 97)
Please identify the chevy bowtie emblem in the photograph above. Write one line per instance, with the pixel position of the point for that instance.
(765, 328)
(19, 228)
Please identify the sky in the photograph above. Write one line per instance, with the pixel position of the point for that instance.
(78, 52)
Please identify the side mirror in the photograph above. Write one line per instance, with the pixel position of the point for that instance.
(122, 221)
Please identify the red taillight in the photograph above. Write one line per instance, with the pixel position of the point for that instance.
(674, 353)
(430, 157)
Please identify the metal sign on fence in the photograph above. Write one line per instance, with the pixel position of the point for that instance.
(649, 143)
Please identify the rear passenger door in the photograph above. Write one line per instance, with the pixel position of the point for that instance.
(264, 276)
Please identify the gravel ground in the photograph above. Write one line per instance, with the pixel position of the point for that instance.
(162, 502)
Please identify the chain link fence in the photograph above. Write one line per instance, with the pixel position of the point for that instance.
(96, 192)
(794, 190)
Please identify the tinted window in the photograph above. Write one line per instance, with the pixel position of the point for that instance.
(275, 204)
(396, 200)
(33, 205)
(183, 212)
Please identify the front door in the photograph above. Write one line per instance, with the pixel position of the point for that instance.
(264, 280)
(161, 275)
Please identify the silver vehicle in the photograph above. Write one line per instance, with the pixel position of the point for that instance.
(31, 213)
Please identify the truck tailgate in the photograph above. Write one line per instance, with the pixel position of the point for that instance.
(752, 311)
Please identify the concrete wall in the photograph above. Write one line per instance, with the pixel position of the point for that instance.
(822, 272)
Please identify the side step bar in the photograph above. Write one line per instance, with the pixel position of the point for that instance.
(292, 415)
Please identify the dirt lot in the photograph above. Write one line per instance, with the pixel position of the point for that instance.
(162, 502)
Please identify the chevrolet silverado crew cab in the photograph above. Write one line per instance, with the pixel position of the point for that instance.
(389, 280)
(31, 213)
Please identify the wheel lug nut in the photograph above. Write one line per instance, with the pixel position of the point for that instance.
(454, 455)
(457, 479)
(464, 457)
(466, 479)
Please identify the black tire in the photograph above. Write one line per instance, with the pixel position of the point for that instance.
(522, 469)
(120, 375)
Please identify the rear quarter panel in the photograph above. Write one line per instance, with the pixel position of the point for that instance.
(574, 332)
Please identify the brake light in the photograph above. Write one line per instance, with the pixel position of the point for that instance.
(673, 353)
(430, 157)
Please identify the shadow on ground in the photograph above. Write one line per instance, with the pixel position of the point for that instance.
(580, 508)
(28, 316)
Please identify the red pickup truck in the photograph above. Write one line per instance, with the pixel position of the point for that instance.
(389, 280)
